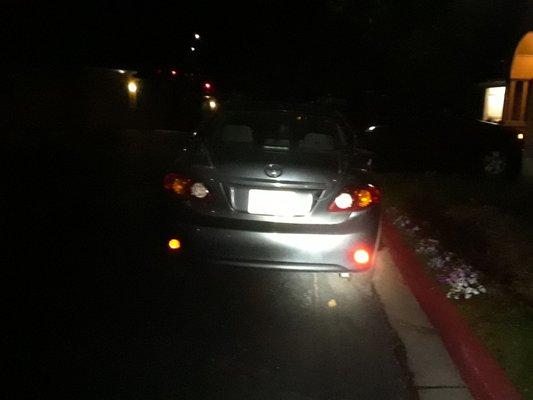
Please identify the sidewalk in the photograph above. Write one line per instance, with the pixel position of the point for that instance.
(484, 376)
(434, 373)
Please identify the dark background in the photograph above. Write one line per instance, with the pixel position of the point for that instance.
(437, 50)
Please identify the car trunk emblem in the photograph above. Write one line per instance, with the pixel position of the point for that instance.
(273, 170)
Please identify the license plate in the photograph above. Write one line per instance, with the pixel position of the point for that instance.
(279, 202)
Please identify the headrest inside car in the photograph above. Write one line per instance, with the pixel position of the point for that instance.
(237, 133)
(317, 141)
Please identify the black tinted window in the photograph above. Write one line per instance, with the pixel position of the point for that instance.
(277, 130)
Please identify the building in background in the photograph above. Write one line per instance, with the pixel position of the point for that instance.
(510, 101)
(518, 107)
(493, 100)
(518, 99)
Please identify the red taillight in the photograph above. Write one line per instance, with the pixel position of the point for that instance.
(361, 256)
(185, 187)
(355, 198)
(177, 184)
(207, 87)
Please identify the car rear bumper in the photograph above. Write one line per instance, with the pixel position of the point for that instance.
(318, 249)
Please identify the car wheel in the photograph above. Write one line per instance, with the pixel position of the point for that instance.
(494, 162)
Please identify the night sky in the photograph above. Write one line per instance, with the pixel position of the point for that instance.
(336, 46)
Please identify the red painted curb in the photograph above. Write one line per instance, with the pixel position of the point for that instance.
(482, 374)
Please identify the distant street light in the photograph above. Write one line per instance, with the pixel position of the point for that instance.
(197, 36)
(193, 49)
(132, 87)
(121, 71)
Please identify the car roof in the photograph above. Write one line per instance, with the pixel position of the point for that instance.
(304, 108)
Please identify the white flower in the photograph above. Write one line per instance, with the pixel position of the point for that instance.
(427, 246)
(462, 280)
(436, 263)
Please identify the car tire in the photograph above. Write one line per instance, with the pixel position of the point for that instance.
(499, 163)
(494, 163)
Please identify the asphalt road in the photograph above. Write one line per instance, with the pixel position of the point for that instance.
(101, 313)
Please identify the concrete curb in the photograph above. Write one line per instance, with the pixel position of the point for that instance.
(482, 374)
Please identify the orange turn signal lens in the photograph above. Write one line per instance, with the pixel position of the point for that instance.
(364, 198)
(179, 186)
(355, 198)
(174, 244)
(177, 183)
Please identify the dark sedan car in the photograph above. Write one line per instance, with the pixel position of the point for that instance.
(445, 144)
(274, 187)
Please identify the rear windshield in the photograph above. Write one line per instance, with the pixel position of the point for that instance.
(277, 130)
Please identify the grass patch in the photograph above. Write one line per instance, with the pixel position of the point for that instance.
(488, 223)
(506, 329)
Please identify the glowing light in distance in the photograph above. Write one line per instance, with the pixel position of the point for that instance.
(174, 244)
(493, 106)
(132, 87)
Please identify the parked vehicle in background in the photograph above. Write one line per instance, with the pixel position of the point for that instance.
(450, 144)
(171, 98)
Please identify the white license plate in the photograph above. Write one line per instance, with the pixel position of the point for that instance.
(279, 202)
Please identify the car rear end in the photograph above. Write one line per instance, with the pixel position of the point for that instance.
(273, 189)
